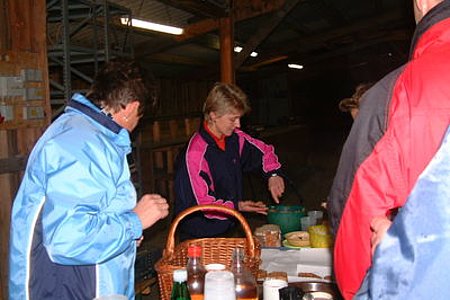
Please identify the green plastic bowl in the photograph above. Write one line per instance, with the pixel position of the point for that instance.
(286, 216)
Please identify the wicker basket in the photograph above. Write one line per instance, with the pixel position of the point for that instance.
(215, 250)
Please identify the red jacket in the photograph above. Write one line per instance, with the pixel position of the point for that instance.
(400, 125)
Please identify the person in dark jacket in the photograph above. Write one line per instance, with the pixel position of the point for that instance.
(210, 169)
(400, 125)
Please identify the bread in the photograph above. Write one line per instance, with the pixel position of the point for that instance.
(298, 238)
(269, 235)
(278, 275)
(310, 275)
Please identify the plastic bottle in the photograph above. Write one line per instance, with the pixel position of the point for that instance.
(245, 283)
(196, 272)
(180, 290)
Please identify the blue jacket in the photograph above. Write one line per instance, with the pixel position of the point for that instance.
(205, 174)
(412, 261)
(73, 231)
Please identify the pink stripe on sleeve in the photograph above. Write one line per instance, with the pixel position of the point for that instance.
(270, 159)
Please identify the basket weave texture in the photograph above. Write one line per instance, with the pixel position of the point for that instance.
(215, 250)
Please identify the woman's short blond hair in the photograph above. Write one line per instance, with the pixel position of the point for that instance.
(225, 98)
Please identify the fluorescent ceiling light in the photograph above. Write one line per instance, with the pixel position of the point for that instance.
(254, 54)
(151, 26)
(295, 66)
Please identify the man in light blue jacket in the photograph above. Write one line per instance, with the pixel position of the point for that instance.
(75, 223)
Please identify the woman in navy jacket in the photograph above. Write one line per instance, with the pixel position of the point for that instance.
(210, 169)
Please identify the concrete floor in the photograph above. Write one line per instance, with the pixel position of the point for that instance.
(309, 160)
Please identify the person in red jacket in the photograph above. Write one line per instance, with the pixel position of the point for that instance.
(400, 125)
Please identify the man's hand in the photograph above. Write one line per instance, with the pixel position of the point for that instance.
(276, 187)
(379, 227)
(252, 206)
(150, 209)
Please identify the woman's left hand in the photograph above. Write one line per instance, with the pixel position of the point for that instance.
(252, 206)
(276, 187)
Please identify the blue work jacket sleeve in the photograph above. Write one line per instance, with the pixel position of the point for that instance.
(87, 217)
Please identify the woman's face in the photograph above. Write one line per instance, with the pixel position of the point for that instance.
(225, 124)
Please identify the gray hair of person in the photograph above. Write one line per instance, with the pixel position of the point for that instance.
(121, 82)
(225, 98)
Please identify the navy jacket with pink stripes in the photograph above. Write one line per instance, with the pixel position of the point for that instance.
(205, 174)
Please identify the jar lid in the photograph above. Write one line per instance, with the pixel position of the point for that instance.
(215, 267)
(180, 275)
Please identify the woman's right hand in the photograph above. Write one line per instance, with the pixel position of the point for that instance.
(252, 206)
(150, 209)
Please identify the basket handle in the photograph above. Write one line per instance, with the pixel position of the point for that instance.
(170, 244)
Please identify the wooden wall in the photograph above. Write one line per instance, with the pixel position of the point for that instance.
(22, 47)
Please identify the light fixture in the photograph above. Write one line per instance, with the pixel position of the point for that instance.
(238, 49)
(295, 66)
(151, 26)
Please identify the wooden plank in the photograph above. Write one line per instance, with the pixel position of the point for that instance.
(12, 164)
(4, 29)
(6, 184)
(24, 31)
(21, 25)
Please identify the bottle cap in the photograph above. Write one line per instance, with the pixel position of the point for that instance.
(180, 275)
(194, 251)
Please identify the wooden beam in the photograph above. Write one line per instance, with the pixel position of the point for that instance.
(335, 60)
(305, 44)
(175, 59)
(243, 10)
(12, 164)
(149, 48)
(25, 27)
(260, 64)
(195, 7)
(263, 32)
(226, 50)
(4, 30)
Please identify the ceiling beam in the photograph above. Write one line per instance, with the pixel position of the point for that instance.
(314, 60)
(242, 10)
(364, 28)
(263, 32)
(165, 58)
(198, 8)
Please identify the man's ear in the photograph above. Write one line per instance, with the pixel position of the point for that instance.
(130, 107)
(418, 9)
(422, 7)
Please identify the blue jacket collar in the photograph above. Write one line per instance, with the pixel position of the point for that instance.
(82, 104)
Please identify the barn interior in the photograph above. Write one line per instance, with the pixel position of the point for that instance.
(295, 59)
